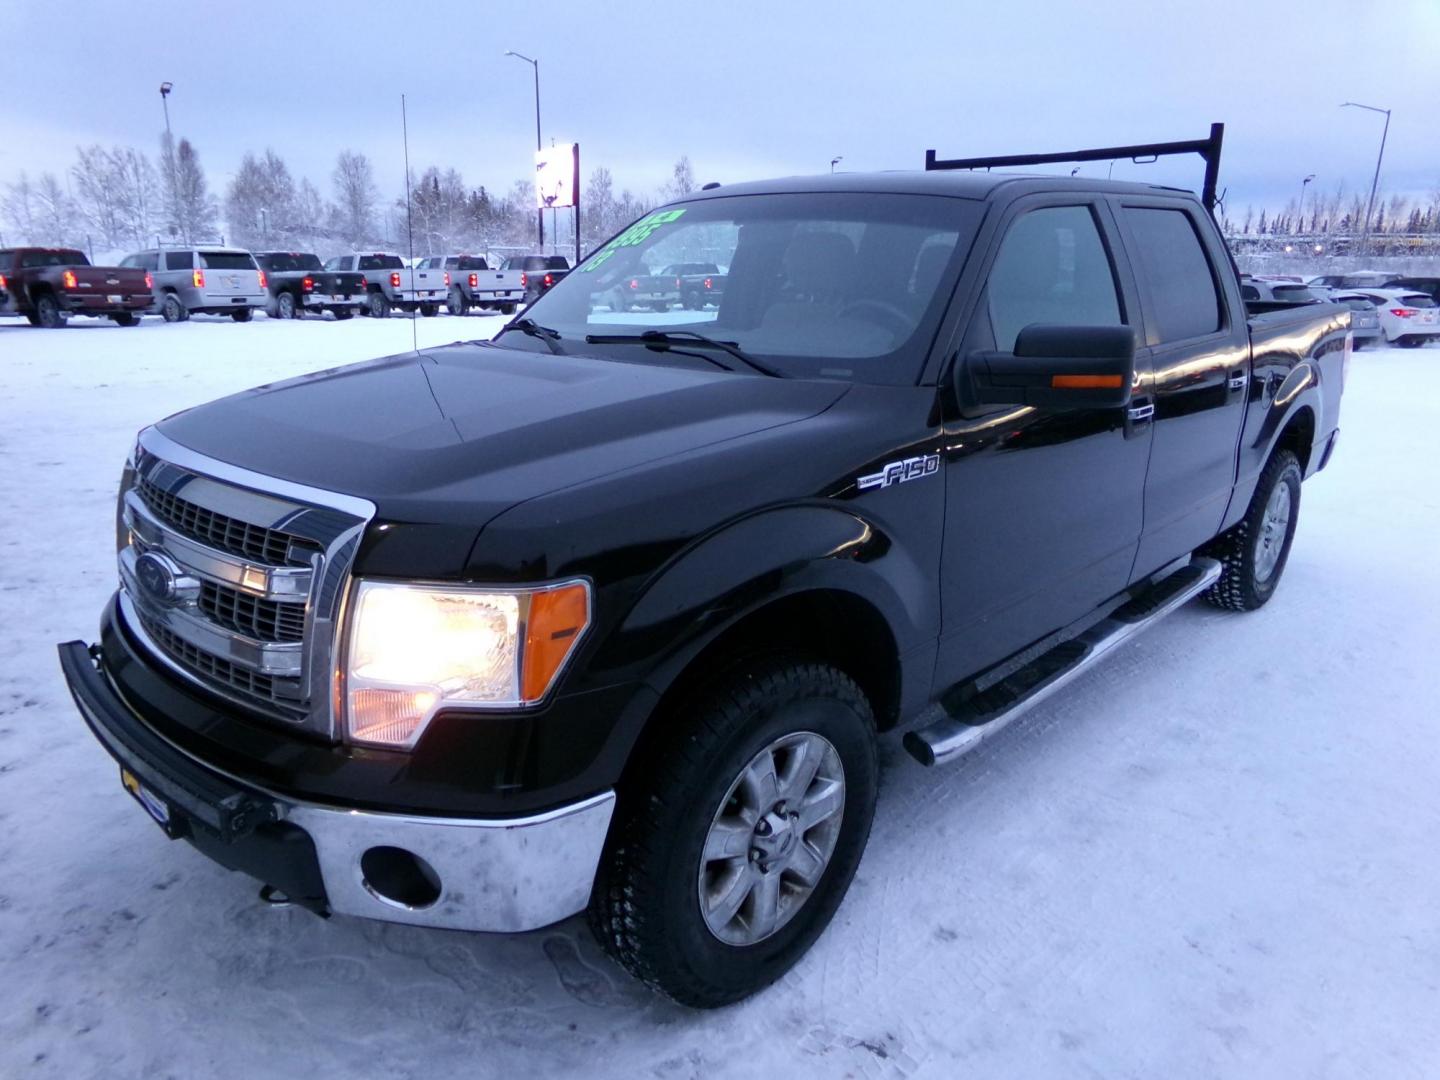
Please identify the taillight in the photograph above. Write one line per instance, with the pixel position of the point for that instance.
(1404, 312)
(524, 279)
(677, 283)
(709, 284)
(149, 281)
(474, 281)
(260, 274)
(69, 279)
(364, 282)
(395, 279)
(447, 279)
(308, 284)
(549, 280)
(2, 280)
(198, 277)
(634, 283)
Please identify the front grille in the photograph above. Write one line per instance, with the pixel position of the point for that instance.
(263, 620)
(263, 690)
(218, 530)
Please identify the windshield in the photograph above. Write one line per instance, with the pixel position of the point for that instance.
(836, 285)
(281, 262)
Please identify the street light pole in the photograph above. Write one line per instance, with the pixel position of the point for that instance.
(833, 162)
(165, 88)
(539, 213)
(1375, 183)
(1300, 209)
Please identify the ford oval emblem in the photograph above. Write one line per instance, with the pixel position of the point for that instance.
(155, 578)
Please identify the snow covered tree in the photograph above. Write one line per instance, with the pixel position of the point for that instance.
(189, 209)
(355, 196)
(55, 214)
(260, 205)
(138, 193)
(17, 207)
(97, 195)
(682, 180)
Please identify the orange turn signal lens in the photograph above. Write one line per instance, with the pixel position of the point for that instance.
(555, 623)
(1086, 382)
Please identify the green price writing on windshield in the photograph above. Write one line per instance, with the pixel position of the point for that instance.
(635, 234)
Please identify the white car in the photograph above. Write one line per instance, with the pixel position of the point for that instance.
(1408, 319)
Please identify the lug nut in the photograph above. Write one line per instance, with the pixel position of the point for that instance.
(762, 827)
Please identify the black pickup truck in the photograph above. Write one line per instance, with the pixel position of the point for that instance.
(611, 616)
(297, 284)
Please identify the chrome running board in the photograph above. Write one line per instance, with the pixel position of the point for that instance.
(993, 709)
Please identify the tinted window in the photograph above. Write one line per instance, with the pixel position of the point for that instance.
(381, 262)
(177, 260)
(1295, 294)
(53, 258)
(227, 260)
(473, 262)
(1052, 268)
(281, 262)
(1183, 295)
(1249, 292)
(1417, 300)
(134, 262)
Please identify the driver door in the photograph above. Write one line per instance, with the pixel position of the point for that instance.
(1044, 506)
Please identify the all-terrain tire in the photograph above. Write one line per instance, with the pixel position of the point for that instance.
(172, 310)
(1244, 583)
(379, 305)
(645, 909)
(48, 312)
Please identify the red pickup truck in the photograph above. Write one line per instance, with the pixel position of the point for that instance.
(48, 285)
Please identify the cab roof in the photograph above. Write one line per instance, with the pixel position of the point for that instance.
(955, 183)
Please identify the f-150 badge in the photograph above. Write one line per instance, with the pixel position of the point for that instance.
(897, 472)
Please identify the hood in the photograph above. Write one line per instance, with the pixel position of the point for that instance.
(459, 434)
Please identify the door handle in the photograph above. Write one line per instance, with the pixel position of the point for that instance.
(1238, 379)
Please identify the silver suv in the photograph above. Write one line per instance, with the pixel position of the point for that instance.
(203, 280)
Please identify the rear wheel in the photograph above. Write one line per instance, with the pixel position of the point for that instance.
(1253, 552)
(1410, 341)
(48, 313)
(285, 307)
(172, 310)
(244, 314)
(379, 305)
(733, 847)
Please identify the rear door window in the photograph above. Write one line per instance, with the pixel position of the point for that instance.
(1181, 287)
(1052, 267)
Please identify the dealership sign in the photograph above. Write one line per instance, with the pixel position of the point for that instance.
(557, 176)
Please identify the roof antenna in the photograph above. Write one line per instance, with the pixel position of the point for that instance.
(409, 224)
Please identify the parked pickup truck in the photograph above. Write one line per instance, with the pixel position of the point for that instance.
(538, 273)
(474, 284)
(700, 284)
(48, 285)
(613, 617)
(644, 291)
(298, 284)
(389, 283)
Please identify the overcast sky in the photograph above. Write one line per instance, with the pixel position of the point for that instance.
(746, 89)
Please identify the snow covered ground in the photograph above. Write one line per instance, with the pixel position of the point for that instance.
(1215, 856)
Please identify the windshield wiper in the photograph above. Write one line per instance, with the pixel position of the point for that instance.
(670, 339)
(531, 328)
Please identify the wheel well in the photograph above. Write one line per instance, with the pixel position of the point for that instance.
(836, 627)
(1298, 436)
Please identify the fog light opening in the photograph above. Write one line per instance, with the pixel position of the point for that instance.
(398, 877)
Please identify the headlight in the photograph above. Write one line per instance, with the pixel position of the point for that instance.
(417, 649)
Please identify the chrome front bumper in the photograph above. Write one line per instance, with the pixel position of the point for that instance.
(495, 875)
(488, 874)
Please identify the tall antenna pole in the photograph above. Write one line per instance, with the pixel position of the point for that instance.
(409, 224)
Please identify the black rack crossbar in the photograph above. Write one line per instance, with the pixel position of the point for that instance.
(1208, 149)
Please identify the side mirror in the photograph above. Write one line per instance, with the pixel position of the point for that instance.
(1057, 367)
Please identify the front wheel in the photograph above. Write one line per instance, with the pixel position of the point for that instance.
(48, 313)
(1410, 341)
(735, 843)
(125, 318)
(342, 312)
(243, 314)
(285, 307)
(172, 310)
(1253, 551)
(429, 311)
(507, 309)
(379, 305)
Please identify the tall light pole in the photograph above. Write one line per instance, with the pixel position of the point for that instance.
(1370, 207)
(539, 213)
(835, 161)
(165, 88)
(1300, 209)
